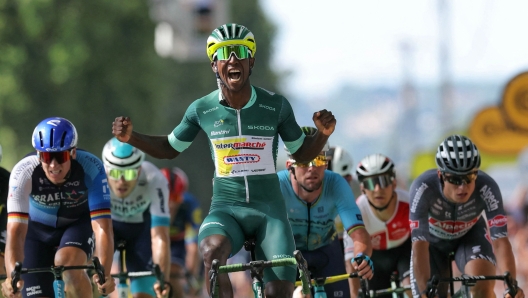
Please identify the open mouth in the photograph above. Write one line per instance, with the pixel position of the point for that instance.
(234, 75)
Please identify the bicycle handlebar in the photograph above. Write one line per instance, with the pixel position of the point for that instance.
(56, 270)
(304, 274)
(432, 284)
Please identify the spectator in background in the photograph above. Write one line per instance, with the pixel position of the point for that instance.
(186, 217)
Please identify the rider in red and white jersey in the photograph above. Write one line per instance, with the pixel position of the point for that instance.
(385, 211)
(446, 216)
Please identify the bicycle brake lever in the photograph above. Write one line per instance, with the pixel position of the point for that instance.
(15, 276)
(99, 270)
(159, 276)
(511, 285)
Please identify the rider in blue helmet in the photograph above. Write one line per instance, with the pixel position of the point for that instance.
(69, 215)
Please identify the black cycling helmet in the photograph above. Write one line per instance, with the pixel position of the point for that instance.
(457, 155)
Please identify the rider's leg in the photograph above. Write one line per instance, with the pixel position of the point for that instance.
(77, 283)
(483, 288)
(279, 289)
(217, 247)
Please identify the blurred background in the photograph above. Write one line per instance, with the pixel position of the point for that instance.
(399, 75)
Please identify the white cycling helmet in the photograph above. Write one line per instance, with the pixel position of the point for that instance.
(457, 155)
(340, 161)
(121, 155)
(375, 164)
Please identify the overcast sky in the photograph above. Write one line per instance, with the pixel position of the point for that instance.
(326, 43)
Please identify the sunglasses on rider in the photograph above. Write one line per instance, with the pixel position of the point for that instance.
(320, 160)
(459, 179)
(383, 181)
(61, 156)
(128, 174)
(240, 51)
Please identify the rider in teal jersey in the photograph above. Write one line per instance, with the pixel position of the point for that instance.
(243, 123)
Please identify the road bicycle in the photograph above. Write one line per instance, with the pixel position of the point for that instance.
(58, 283)
(256, 268)
(469, 281)
(396, 290)
(123, 289)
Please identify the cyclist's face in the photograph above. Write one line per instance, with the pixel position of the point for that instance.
(234, 72)
(121, 187)
(457, 193)
(311, 178)
(379, 196)
(57, 172)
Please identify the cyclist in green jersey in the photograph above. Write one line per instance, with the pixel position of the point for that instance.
(243, 123)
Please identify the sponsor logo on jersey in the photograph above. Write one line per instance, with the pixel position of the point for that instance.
(220, 132)
(418, 196)
(74, 195)
(267, 107)
(359, 217)
(414, 224)
(487, 195)
(453, 226)
(218, 123)
(72, 183)
(498, 221)
(210, 110)
(261, 127)
(47, 198)
(241, 158)
(241, 145)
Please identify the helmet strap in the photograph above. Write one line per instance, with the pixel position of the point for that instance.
(380, 209)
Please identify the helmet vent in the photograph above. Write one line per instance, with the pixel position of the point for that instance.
(52, 131)
(40, 139)
(63, 139)
(385, 163)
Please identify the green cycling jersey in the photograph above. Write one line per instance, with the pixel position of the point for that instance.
(243, 142)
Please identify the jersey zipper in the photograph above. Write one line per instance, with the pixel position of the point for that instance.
(309, 205)
(240, 134)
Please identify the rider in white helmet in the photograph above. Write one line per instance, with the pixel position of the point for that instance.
(385, 211)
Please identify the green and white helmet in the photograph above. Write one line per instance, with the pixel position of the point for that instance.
(230, 34)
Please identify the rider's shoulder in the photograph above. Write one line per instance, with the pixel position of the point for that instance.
(425, 180)
(89, 161)
(25, 165)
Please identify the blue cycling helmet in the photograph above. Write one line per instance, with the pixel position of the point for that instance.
(121, 155)
(54, 134)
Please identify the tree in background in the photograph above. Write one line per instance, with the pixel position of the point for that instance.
(90, 61)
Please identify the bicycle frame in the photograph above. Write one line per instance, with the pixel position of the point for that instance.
(58, 283)
(469, 281)
(257, 267)
(122, 276)
(318, 283)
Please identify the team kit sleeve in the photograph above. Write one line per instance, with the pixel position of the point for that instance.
(495, 214)
(20, 189)
(183, 135)
(158, 192)
(289, 131)
(97, 184)
(419, 211)
(346, 204)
